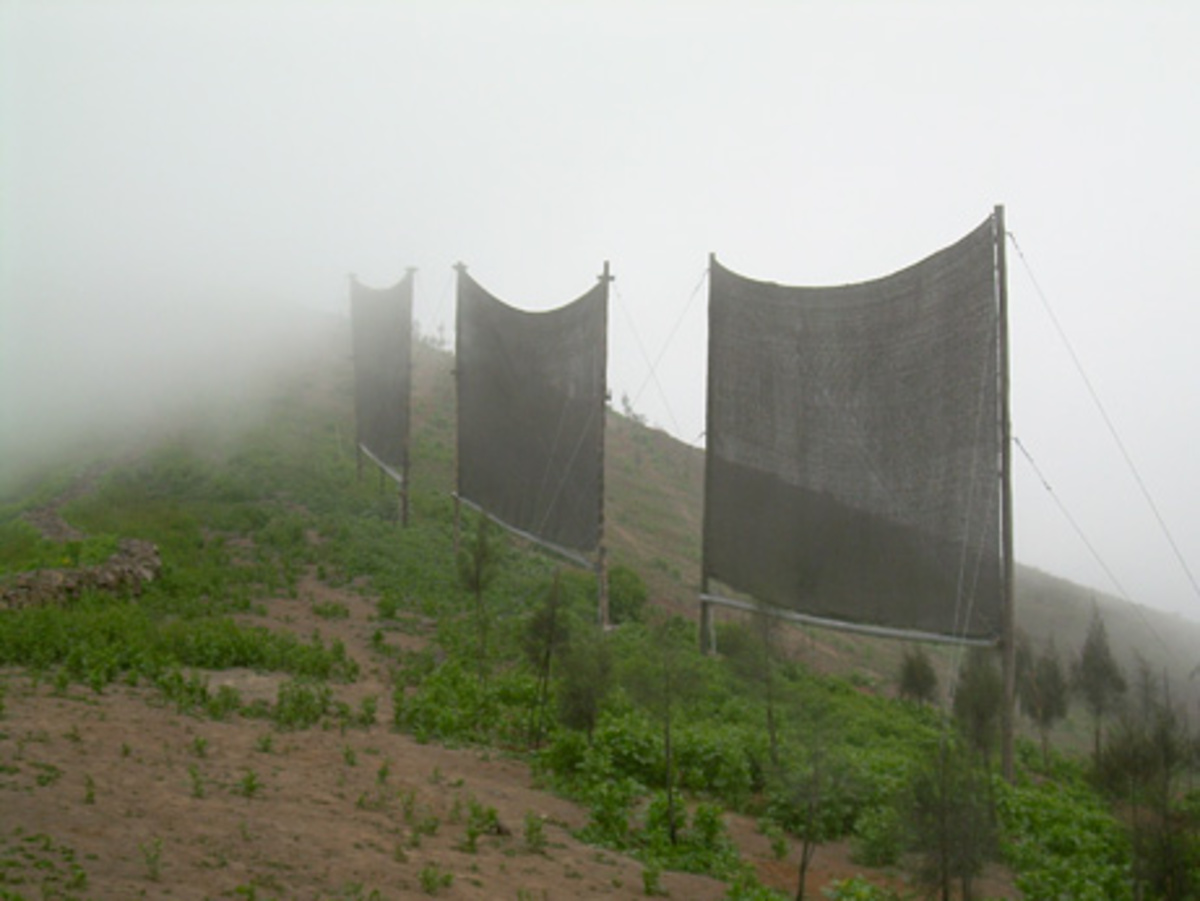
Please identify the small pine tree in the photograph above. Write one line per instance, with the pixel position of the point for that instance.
(663, 678)
(1098, 678)
(585, 678)
(951, 825)
(1043, 691)
(546, 635)
(1145, 761)
(627, 595)
(812, 788)
(918, 681)
(478, 564)
(978, 700)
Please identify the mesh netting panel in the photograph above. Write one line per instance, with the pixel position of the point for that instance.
(531, 397)
(854, 445)
(381, 320)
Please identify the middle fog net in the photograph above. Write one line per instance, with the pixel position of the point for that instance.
(531, 400)
(854, 445)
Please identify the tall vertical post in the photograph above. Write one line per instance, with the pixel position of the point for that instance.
(1008, 643)
(602, 551)
(410, 274)
(708, 638)
(358, 454)
(708, 634)
(461, 269)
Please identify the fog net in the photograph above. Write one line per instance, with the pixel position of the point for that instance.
(381, 322)
(531, 401)
(854, 445)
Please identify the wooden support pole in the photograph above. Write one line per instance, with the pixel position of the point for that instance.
(358, 454)
(603, 613)
(460, 269)
(1008, 638)
(708, 632)
(457, 524)
(410, 275)
(708, 635)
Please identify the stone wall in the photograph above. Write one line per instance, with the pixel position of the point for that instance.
(133, 565)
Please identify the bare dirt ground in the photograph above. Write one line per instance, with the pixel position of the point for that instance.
(151, 803)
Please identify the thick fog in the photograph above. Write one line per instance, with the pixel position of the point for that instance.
(176, 174)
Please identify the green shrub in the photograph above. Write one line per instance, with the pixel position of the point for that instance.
(856, 888)
(627, 595)
(1062, 843)
(453, 704)
(878, 836)
(701, 846)
(301, 704)
(718, 760)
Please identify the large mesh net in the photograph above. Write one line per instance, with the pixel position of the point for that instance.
(381, 322)
(854, 442)
(531, 400)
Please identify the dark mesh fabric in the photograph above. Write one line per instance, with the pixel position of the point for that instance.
(854, 445)
(381, 321)
(531, 398)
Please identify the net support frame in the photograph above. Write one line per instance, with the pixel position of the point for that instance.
(1005, 642)
(598, 564)
(400, 477)
(1008, 635)
(708, 600)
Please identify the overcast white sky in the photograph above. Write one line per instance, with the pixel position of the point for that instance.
(166, 165)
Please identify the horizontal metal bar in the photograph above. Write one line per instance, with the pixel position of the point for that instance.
(573, 556)
(396, 477)
(842, 626)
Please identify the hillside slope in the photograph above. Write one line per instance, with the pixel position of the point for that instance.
(654, 510)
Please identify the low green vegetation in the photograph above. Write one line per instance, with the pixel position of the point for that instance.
(23, 548)
(658, 741)
(37, 865)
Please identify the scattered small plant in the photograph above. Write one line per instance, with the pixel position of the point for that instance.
(249, 785)
(197, 781)
(856, 888)
(367, 711)
(652, 880)
(535, 833)
(47, 774)
(433, 879)
(301, 704)
(38, 863)
(331, 610)
(89, 790)
(408, 805)
(427, 825)
(152, 855)
(776, 836)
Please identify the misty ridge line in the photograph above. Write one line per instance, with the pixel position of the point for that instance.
(152, 369)
(133, 374)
